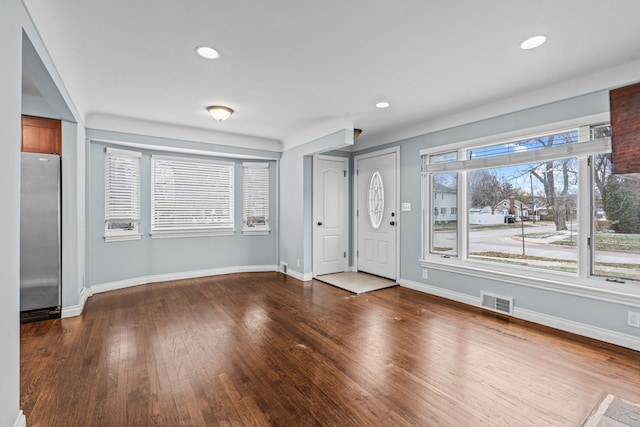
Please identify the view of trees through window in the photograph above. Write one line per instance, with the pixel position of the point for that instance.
(521, 214)
(616, 222)
(527, 214)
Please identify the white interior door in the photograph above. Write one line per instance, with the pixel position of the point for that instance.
(377, 213)
(330, 204)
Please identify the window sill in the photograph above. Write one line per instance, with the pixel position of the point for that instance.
(254, 232)
(122, 237)
(195, 233)
(593, 287)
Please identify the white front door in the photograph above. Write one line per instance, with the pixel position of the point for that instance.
(377, 212)
(330, 204)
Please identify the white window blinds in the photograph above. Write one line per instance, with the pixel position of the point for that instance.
(255, 202)
(191, 196)
(122, 194)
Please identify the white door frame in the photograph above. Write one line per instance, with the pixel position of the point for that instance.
(356, 159)
(346, 210)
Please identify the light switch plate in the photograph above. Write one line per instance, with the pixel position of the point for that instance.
(406, 207)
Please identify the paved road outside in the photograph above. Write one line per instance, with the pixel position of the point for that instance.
(509, 240)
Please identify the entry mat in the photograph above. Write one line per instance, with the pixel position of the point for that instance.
(357, 282)
(613, 411)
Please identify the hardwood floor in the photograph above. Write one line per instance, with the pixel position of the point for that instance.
(265, 349)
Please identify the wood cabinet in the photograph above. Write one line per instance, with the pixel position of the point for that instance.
(41, 135)
(625, 128)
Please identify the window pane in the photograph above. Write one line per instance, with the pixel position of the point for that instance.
(122, 192)
(191, 195)
(525, 214)
(444, 213)
(255, 195)
(532, 144)
(376, 200)
(616, 222)
(443, 158)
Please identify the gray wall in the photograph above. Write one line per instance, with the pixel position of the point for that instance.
(10, 87)
(125, 260)
(73, 215)
(22, 51)
(295, 199)
(588, 311)
(410, 160)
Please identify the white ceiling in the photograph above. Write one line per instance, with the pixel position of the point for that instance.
(290, 66)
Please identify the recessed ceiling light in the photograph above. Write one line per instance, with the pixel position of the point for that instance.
(207, 52)
(382, 104)
(533, 42)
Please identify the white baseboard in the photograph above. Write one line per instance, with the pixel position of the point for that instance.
(21, 421)
(444, 293)
(121, 284)
(303, 277)
(76, 310)
(590, 331)
(606, 335)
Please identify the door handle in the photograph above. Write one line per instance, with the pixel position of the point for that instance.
(319, 223)
(392, 223)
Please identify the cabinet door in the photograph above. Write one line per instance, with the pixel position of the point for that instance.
(41, 135)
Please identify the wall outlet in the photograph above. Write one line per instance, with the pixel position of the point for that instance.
(634, 319)
(425, 274)
(298, 263)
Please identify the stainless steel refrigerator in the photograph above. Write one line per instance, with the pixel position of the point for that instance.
(40, 247)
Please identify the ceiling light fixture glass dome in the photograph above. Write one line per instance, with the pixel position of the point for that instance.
(533, 42)
(220, 112)
(207, 52)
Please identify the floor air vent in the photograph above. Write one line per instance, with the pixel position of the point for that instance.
(497, 303)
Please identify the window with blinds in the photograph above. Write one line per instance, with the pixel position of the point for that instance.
(191, 197)
(122, 195)
(255, 198)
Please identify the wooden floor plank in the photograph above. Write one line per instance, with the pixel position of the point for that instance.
(266, 349)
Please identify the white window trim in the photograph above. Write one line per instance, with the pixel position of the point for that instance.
(111, 235)
(259, 230)
(582, 284)
(196, 231)
(165, 234)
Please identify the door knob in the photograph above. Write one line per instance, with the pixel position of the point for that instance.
(319, 222)
(392, 223)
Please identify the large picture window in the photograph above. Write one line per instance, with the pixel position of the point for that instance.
(545, 204)
(122, 195)
(191, 197)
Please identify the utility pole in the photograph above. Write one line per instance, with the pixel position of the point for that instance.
(522, 227)
(533, 202)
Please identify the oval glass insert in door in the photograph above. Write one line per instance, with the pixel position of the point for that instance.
(376, 200)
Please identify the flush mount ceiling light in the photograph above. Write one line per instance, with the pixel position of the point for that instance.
(382, 104)
(533, 42)
(220, 112)
(207, 52)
